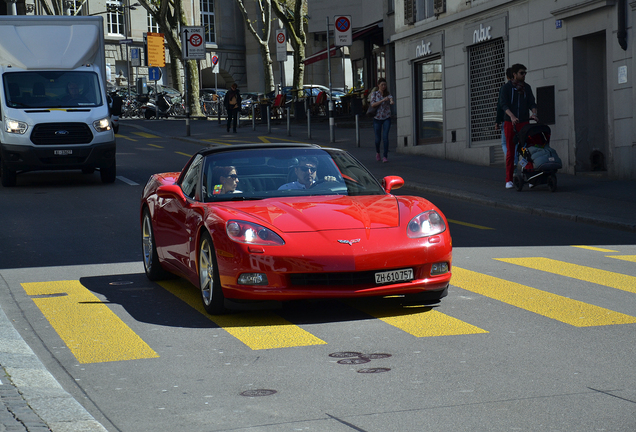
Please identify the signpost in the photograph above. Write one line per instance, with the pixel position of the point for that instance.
(281, 53)
(192, 48)
(156, 49)
(342, 34)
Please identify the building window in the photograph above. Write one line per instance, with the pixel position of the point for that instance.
(75, 7)
(430, 104)
(153, 27)
(207, 20)
(487, 63)
(115, 18)
(424, 9)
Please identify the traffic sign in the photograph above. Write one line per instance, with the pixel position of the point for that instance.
(154, 73)
(156, 49)
(215, 61)
(281, 45)
(125, 41)
(193, 43)
(342, 33)
(135, 59)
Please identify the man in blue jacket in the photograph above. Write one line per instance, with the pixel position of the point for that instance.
(516, 100)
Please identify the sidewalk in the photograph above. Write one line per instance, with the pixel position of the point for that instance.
(589, 198)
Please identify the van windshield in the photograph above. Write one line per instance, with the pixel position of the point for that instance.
(52, 89)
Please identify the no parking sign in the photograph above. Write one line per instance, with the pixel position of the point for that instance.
(342, 33)
(281, 45)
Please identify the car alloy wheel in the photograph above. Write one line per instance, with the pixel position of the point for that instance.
(152, 266)
(209, 281)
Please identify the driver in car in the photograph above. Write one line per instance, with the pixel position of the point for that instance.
(306, 175)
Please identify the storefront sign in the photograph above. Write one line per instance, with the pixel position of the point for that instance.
(485, 31)
(426, 46)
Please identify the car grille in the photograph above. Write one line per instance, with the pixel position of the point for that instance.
(61, 133)
(333, 279)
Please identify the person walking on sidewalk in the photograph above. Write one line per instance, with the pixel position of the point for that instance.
(232, 104)
(516, 100)
(382, 100)
(499, 121)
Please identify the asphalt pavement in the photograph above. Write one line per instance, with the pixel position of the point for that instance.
(32, 400)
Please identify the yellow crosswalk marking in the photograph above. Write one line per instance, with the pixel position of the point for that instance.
(587, 274)
(420, 321)
(630, 258)
(145, 135)
(89, 328)
(257, 330)
(184, 154)
(469, 225)
(125, 137)
(156, 146)
(553, 306)
(597, 249)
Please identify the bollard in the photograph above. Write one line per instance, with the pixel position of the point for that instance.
(357, 130)
(288, 120)
(253, 117)
(269, 121)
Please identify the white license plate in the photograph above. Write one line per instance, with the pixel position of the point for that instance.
(62, 152)
(394, 276)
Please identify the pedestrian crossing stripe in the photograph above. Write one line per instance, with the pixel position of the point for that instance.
(417, 321)
(563, 309)
(258, 330)
(630, 258)
(592, 248)
(574, 271)
(145, 135)
(87, 326)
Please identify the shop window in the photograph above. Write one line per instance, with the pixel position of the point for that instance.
(487, 63)
(430, 103)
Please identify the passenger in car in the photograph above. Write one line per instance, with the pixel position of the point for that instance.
(305, 171)
(225, 180)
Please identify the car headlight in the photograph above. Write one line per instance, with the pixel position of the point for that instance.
(102, 125)
(251, 233)
(15, 126)
(426, 224)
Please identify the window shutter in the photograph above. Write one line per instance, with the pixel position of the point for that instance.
(409, 11)
(439, 6)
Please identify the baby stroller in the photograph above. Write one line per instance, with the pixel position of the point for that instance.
(538, 162)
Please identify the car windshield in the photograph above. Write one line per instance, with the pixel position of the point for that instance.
(52, 89)
(284, 172)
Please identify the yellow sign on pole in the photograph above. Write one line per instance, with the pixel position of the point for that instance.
(156, 50)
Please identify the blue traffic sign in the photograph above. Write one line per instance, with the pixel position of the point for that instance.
(154, 73)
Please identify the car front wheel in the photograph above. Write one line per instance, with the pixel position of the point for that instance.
(152, 266)
(209, 281)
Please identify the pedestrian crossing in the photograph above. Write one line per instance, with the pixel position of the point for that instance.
(93, 333)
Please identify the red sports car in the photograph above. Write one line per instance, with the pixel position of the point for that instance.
(291, 221)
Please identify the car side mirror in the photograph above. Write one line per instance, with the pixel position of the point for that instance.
(392, 182)
(170, 191)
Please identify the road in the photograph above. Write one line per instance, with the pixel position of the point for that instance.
(537, 332)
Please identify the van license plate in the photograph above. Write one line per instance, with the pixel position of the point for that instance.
(394, 276)
(62, 152)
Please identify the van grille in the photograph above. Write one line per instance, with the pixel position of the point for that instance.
(61, 133)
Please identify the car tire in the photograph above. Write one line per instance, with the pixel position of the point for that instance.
(108, 174)
(9, 178)
(209, 280)
(152, 266)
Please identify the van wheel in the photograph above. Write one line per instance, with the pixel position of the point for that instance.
(9, 177)
(108, 173)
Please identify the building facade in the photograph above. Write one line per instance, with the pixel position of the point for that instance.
(451, 57)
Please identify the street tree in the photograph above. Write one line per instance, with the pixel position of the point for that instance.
(261, 28)
(293, 15)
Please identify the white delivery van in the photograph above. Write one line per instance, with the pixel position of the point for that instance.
(53, 97)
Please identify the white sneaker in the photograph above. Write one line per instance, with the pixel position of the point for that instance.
(509, 185)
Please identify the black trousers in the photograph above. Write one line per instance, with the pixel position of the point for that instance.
(232, 115)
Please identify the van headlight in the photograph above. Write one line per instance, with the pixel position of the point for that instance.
(15, 126)
(102, 125)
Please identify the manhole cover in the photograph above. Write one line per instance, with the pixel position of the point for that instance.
(353, 361)
(258, 393)
(374, 370)
(376, 356)
(345, 354)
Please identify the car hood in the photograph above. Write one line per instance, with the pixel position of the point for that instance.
(310, 214)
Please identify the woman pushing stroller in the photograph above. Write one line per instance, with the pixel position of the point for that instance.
(516, 100)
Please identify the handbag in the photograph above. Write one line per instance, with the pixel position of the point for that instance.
(371, 111)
